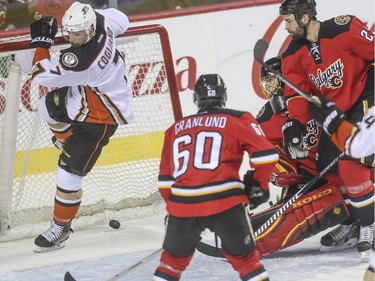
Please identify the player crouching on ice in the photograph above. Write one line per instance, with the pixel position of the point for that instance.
(324, 206)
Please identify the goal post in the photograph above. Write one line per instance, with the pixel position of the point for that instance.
(125, 176)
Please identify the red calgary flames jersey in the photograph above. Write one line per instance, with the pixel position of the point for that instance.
(336, 66)
(271, 124)
(201, 158)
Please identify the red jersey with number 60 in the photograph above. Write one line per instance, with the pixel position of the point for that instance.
(201, 158)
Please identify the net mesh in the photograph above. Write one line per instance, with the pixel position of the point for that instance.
(126, 172)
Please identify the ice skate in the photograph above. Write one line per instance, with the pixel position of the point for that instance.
(366, 237)
(341, 238)
(53, 238)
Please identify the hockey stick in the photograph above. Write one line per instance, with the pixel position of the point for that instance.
(218, 252)
(260, 49)
(294, 198)
(69, 277)
(15, 38)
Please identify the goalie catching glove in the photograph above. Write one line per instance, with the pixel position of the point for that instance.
(293, 132)
(326, 114)
(254, 192)
(43, 32)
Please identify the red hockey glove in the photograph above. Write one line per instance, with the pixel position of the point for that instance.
(43, 32)
(254, 192)
(327, 115)
(288, 179)
(293, 132)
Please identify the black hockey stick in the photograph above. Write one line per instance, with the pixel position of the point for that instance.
(260, 49)
(218, 252)
(69, 277)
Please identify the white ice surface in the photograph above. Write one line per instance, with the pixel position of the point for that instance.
(99, 252)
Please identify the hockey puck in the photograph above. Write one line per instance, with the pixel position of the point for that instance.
(114, 224)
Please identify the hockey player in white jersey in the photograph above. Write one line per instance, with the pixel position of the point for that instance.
(92, 98)
(356, 140)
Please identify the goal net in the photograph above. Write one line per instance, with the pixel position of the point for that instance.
(125, 175)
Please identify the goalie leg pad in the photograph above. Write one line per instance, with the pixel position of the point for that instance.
(309, 215)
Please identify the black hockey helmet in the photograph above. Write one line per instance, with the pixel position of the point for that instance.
(272, 87)
(274, 63)
(210, 91)
(298, 8)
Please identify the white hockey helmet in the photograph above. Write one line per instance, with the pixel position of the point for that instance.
(80, 17)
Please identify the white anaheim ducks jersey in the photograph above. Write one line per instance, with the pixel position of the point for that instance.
(361, 142)
(100, 91)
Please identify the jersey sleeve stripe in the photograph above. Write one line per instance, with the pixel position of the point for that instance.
(198, 191)
(264, 157)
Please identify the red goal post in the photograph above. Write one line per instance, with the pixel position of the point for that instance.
(125, 175)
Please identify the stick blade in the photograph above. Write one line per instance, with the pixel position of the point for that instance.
(260, 49)
(69, 277)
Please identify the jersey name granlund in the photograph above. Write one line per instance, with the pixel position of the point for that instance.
(201, 158)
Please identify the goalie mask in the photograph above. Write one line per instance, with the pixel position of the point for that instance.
(298, 8)
(272, 87)
(210, 91)
(79, 17)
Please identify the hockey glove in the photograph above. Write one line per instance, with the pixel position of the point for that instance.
(43, 32)
(254, 192)
(293, 132)
(328, 116)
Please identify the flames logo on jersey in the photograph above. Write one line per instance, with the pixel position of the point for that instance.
(331, 77)
(311, 138)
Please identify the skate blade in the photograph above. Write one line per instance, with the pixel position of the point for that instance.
(49, 249)
(351, 243)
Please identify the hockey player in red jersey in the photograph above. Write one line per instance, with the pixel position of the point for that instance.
(292, 166)
(92, 98)
(199, 181)
(333, 59)
(356, 140)
(291, 174)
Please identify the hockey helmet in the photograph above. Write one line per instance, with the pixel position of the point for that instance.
(210, 91)
(268, 82)
(298, 8)
(80, 17)
(272, 87)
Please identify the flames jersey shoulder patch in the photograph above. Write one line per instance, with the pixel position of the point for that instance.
(342, 20)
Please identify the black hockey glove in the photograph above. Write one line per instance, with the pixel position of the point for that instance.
(254, 192)
(293, 132)
(326, 114)
(43, 32)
